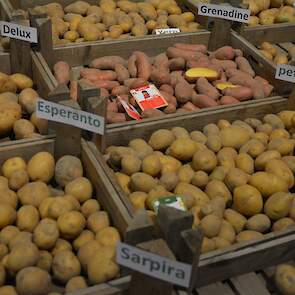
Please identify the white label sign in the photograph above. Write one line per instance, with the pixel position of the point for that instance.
(20, 32)
(167, 31)
(285, 73)
(63, 114)
(225, 12)
(154, 265)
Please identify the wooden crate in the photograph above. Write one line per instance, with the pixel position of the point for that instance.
(82, 55)
(118, 213)
(25, 4)
(281, 34)
(239, 258)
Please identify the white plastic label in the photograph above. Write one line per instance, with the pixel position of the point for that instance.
(67, 115)
(285, 73)
(225, 12)
(154, 265)
(19, 32)
(167, 31)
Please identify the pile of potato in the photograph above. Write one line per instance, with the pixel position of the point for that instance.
(80, 21)
(17, 108)
(52, 227)
(235, 178)
(271, 53)
(214, 78)
(268, 12)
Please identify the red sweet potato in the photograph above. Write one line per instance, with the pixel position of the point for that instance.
(138, 83)
(194, 47)
(169, 98)
(160, 76)
(161, 62)
(190, 106)
(183, 91)
(109, 85)
(132, 68)
(173, 52)
(61, 71)
(94, 74)
(203, 101)
(143, 65)
(167, 88)
(225, 52)
(112, 107)
(170, 109)
(244, 65)
(122, 73)
(267, 88)
(204, 87)
(177, 64)
(228, 100)
(119, 90)
(152, 113)
(240, 93)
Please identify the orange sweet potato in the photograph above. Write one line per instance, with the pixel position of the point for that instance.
(204, 87)
(107, 62)
(203, 101)
(244, 65)
(177, 64)
(144, 67)
(225, 52)
(160, 76)
(240, 93)
(115, 117)
(61, 71)
(74, 90)
(228, 100)
(167, 88)
(122, 73)
(173, 52)
(132, 68)
(94, 74)
(119, 90)
(109, 85)
(194, 47)
(183, 91)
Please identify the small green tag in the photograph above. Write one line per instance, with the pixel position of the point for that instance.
(173, 201)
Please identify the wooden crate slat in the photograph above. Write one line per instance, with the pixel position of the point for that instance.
(215, 289)
(249, 284)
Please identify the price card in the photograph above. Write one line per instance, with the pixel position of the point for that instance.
(285, 73)
(19, 32)
(130, 109)
(172, 201)
(225, 12)
(148, 97)
(67, 115)
(167, 31)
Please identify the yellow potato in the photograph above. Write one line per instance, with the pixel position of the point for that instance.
(75, 284)
(264, 158)
(161, 139)
(22, 81)
(151, 165)
(27, 99)
(138, 199)
(13, 164)
(85, 253)
(130, 164)
(80, 188)
(18, 179)
(7, 215)
(259, 222)
(237, 220)
(227, 232)
(234, 136)
(245, 163)
(142, 182)
(248, 235)
(285, 278)
(97, 221)
(247, 200)
(108, 236)
(216, 188)
(282, 224)
(211, 225)
(27, 218)
(45, 260)
(204, 160)
(183, 149)
(82, 239)
(89, 207)
(235, 178)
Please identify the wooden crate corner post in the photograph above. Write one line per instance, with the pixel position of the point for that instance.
(90, 101)
(171, 237)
